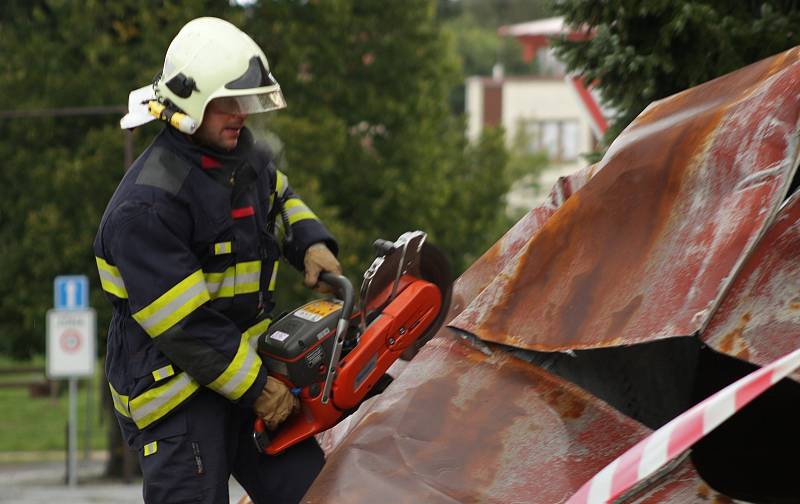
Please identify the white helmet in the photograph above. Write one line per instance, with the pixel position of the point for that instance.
(208, 59)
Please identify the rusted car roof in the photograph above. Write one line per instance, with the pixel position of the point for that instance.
(643, 246)
(646, 248)
(459, 425)
(462, 426)
(505, 250)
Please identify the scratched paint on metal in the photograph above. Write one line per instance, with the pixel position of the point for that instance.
(759, 319)
(462, 426)
(646, 249)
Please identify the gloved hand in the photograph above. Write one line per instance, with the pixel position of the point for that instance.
(318, 259)
(275, 403)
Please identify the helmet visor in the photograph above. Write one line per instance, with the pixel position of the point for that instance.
(250, 104)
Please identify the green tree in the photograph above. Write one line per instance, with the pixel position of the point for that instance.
(369, 136)
(59, 172)
(369, 140)
(473, 25)
(641, 51)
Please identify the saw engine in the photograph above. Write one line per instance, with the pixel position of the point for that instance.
(332, 355)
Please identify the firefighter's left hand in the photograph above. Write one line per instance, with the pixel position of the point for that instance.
(318, 259)
(275, 403)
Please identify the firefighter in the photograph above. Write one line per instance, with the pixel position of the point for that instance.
(188, 252)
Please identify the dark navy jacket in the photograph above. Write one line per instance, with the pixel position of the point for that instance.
(188, 251)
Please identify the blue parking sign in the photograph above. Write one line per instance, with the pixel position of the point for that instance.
(71, 292)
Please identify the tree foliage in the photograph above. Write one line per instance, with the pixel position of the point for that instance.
(473, 25)
(643, 51)
(368, 138)
(59, 172)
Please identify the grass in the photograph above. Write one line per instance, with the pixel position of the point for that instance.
(39, 423)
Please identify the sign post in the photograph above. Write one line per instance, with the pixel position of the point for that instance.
(71, 349)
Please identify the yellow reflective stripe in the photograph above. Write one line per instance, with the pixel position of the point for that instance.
(164, 372)
(174, 305)
(242, 278)
(158, 401)
(150, 448)
(222, 248)
(281, 183)
(274, 277)
(248, 276)
(253, 332)
(110, 278)
(296, 211)
(240, 373)
(120, 401)
(221, 284)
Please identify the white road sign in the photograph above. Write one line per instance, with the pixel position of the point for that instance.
(71, 343)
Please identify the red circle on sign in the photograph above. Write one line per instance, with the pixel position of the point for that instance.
(70, 340)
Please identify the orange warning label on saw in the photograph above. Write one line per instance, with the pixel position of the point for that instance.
(317, 310)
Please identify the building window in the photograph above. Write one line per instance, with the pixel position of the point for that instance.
(558, 138)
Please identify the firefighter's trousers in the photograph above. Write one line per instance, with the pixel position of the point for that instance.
(190, 455)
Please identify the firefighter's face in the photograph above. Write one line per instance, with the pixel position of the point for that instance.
(220, 128)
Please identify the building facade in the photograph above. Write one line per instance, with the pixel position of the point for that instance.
(552, 112)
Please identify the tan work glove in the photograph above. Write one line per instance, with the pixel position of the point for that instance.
(318, 259)
(275, 403)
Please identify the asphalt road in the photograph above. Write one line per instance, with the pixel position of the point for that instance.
(44, 483)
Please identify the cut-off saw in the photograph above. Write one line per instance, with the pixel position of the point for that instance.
(333, 354)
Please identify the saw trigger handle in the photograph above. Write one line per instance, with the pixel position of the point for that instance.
(260, 436)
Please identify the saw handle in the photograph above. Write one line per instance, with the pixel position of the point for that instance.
(345, 288)
(260, 436)
(342, 286)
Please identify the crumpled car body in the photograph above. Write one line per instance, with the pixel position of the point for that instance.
(647, 282)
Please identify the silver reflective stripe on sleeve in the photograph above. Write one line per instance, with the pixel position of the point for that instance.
(156, 402)
(120, 402)
(174, 305)
(248, 276)
(296, 211)
(221, 284)
(110, 278)
(240, 373)
(281, 183)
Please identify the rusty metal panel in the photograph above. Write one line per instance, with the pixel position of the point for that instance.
(759, 318)
(459, 425)
(647, 247)
(495, 260)
(569, 185)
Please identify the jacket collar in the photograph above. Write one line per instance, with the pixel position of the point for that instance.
(216, 163)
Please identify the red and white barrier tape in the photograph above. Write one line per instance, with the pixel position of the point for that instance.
(650, 454)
